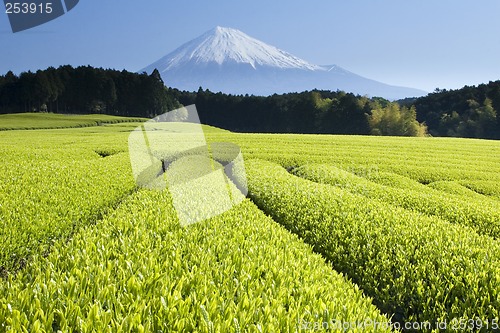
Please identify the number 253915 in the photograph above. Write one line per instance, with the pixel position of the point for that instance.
(28, 8)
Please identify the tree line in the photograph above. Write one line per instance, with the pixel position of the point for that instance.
(470, 112)
(310, 112)
(85, 90)
(467, 112)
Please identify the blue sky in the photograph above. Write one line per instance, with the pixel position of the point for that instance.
(416, 43)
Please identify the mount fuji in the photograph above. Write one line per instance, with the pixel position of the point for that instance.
(228, 60)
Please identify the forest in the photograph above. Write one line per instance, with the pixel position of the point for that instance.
(468, 112)
(85, 90)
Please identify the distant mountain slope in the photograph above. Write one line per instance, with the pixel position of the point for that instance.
(230, 61)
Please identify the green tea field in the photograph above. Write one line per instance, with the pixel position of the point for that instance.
(337, 234)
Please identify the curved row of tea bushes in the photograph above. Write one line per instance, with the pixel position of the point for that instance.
(481, 215)
(454, 187)
(138, 271)
(481, 189)
(423, 159)
(40, 120)
(417, 268)
(47, 194)
(485, 187)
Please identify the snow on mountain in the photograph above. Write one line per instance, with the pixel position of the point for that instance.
(221, 45)
(228, 60)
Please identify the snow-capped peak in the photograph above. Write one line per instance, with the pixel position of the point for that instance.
(221, 45)
(230, 61)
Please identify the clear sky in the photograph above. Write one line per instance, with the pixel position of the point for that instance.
(416, 43)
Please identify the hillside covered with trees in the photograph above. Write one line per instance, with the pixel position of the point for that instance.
(316, 112)
(471, 112)
(468, 112)
(84, 90)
